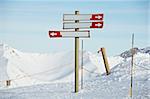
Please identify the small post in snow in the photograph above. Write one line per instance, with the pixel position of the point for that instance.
(103, 51)
(8, 82)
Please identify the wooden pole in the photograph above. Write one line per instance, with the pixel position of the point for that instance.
(132, 51)
(82, 68)
(76, 58)
(8, 82)
(105, 61)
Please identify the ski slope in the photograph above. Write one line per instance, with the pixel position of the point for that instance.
(32, 68)
(51, 76)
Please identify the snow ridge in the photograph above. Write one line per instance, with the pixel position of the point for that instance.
(57, 76)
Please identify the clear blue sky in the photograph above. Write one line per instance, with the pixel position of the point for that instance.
(24, 24)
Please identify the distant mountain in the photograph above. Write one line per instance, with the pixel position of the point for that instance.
(145, 50)
(128, 53)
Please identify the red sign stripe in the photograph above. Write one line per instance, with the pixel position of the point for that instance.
(97, 17)
(54, 34)
(97, 25)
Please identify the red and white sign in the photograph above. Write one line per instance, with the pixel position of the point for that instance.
(97, 25)
(97, 17)
(82, 25)
(55, 34)
(82, 17)
(69, 34)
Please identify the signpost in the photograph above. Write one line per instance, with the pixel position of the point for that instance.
(76, 57)
(82, 17)
(71, 21)
(69, 34)
(82, 25)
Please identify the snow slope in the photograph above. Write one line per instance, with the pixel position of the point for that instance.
(24, 69)
(96, 86)
(3, 66)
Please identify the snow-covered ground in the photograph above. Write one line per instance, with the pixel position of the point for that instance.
(51, 76)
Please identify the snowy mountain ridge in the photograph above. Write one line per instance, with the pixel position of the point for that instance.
(51, 76)
(128, 53)
(40, 68)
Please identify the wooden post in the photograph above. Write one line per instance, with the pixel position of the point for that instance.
(8, 82)
(76, 58)
(133, 52)
(105, 61)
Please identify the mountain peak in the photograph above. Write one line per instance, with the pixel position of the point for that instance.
(128, 53)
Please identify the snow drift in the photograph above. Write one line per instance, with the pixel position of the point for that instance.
(34, 68)
(43, 69)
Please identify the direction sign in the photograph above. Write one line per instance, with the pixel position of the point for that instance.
(69, 34)
(82, 25)
(82, 17)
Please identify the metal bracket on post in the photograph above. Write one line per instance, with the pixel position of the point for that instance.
(76, 58)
